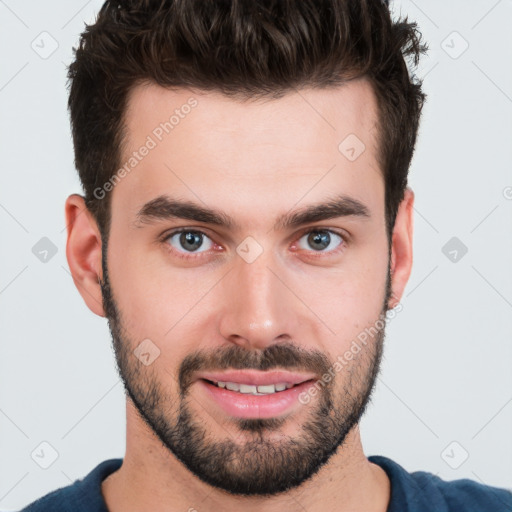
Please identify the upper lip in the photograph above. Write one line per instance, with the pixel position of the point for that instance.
(256, 378)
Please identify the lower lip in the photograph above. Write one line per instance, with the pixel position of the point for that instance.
(247, 405)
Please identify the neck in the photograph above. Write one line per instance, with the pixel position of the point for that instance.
(151, 478)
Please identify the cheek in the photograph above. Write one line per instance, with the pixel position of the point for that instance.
(144, 298)
(351, 298)
(350, 306)
(158, 303)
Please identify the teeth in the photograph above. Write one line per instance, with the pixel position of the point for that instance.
(232, 386)
(255, 390)
(246, 388)
(270, 388)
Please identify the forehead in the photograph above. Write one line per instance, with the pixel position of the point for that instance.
(204, 145)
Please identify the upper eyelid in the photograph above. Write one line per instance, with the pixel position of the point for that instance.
(337, 231)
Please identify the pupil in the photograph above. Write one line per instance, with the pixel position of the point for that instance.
(192, 240)
(322, 238)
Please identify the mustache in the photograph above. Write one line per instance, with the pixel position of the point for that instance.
(285, 356)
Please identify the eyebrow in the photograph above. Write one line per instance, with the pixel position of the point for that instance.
(165, 207)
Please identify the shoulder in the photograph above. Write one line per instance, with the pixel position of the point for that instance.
(425, 491)
(472, 495)
(80, 496)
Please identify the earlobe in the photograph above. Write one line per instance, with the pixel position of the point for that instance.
(402, 248)
(83, 252)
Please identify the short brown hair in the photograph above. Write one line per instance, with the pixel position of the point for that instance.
(243, 49)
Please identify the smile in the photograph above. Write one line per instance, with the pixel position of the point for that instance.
(251, 401)
(252, 389)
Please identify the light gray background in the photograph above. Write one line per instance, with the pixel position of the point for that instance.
(446, 373)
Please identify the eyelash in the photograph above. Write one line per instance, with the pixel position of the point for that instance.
(319, 254)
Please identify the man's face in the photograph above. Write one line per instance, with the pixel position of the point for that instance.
(254, 295)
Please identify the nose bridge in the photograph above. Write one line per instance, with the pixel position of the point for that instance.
(258, 306)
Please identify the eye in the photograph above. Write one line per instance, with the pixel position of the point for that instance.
(320, 239)
(188, 240)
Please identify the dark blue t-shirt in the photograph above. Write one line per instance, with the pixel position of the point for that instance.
(410, 492)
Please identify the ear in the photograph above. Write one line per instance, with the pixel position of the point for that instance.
(401, 248)
(83, 252)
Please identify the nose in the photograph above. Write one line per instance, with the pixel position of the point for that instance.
(258, 309)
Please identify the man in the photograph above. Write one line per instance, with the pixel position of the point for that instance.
(274, 139)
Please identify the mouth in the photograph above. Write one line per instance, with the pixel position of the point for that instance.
(255, 400)
(252, 389)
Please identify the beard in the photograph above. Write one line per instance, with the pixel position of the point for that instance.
(260, 466)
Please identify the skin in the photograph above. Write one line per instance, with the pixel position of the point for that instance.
(254, 161)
